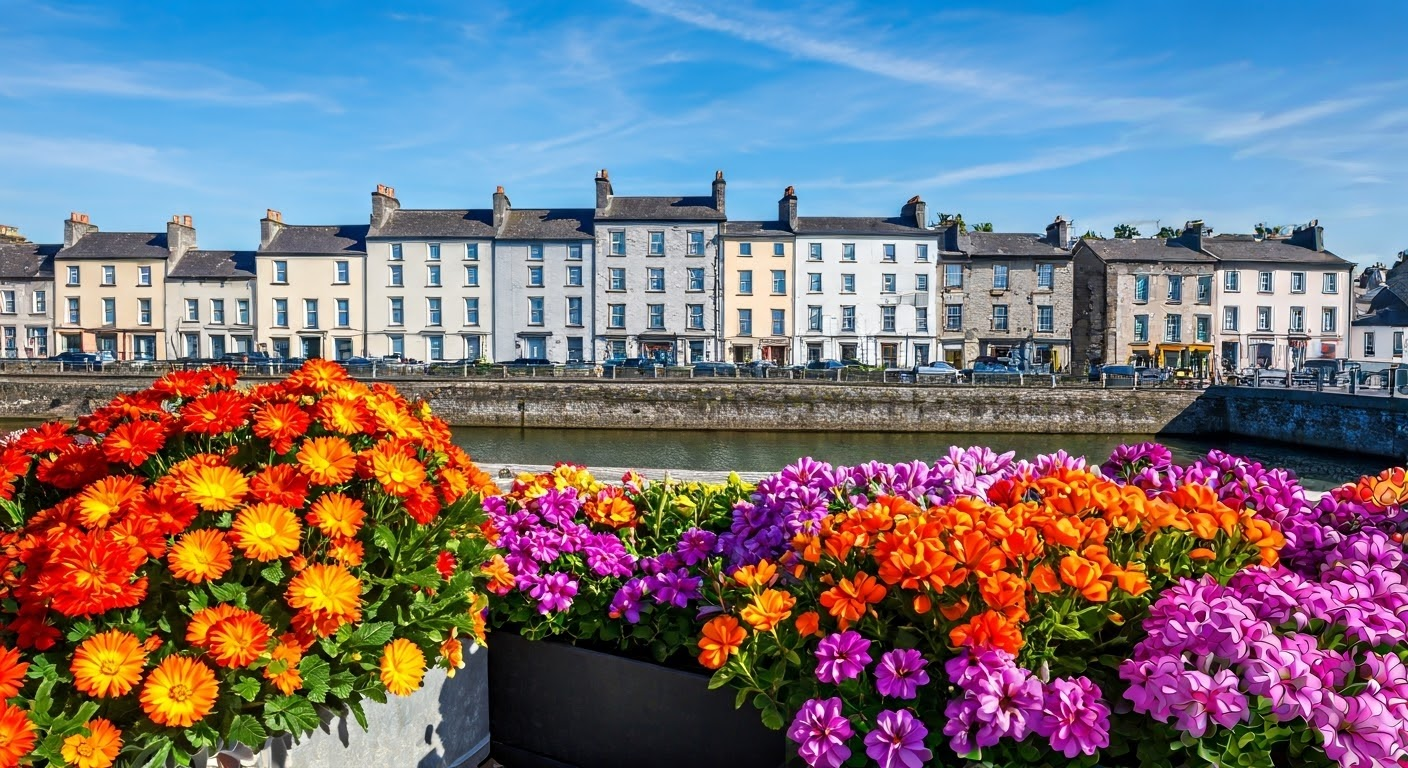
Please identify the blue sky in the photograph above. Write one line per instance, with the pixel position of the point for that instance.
(1106, 112)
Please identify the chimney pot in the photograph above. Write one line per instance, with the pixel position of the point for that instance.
(719, 175)
(789, 191)
(499, 189)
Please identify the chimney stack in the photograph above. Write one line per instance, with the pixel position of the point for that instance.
(501, 209)
(76, 228)
(269, 228)
(180, 237)
(787, 209)
(603, 192)
(384, 203)
(9, 234)
(916, 210)
(1310, 236)
(719, 185)
(1058, 232)
(1193, 233)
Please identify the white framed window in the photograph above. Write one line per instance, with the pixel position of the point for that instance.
(745, 281)
(1173, 328)
(1264, 282)
(887, 283)
(39, 303)
(618, 242)
(888, 251)
(144, 311)
(696, 278)
(7, 302)
(814, 318)
(617, 279)
(696, 244)
(535, 310)
(535, 252)
(779, 322)
(432, 275)
(745, 322)
(813, 254)
(281, 314)
(433, 311)
(397, 252)
(471, 310)
(1297, 319)
(848, 319)
(242, 311)
(109, 311)
(1175, 289)
(999, 277)
(1328, 320)
(656, 316)
(616, 315)
(887, 319)
(1230, 318)
(921, 283)
(848, 283)
(434, 252)
(921, 319)
(1297, 282)
(655, 279)
(574, 277)
(779, 281)
(999, 317)
(396, 276)
(745, 249)
(217, 311)
(778, 249)
(574, 311)
(396, 311)
(953, 275)
(144, 276)
(921, 252)
(310, 313)
(1045, 276)
(1369, 344)
(71, 310)
(471, 275)
(1331, 283)
(281, 272)
(471, 251)
(1263, 318)
(1141, 328)
(848, 251)
(694, 316)
(1202, 328)
(1045, 319)
(813, 282)
(953, 317)
(72, 276)
(657, 244)
(1204, 289)
(535, 277)
(193, 310)
(342, 272)
(574, 252)
(1232, 281)
(109, 273)
(344, 312)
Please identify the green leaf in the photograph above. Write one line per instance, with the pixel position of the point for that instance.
(361, 717)
(246, 688)
(740, 698)
(772, 719)
(317, 674)
(274, 572)
(720, 678)
(376, 633)
(247, 731)
(292, 714)
(154, 756)
(232, 592)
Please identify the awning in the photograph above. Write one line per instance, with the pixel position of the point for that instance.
(657, 336)
(1172, 347)
(1199, 347)
(533, 334)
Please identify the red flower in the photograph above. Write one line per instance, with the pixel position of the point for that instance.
(181, 383)
(74, 468)
(446, 564)
(215, 413)
(280, 423)
(422, 504)
(134, 442)
(281, 484)
(49, 437)
(90, 573)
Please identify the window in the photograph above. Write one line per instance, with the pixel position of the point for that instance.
(395, 276)
(813, 318)
(342, 272)
(574, 310)
(535, 310)
(848, 319)
(109, 274)
(889, 251)
(38, 338)
(887, 319)
(574, 252)
(471, 251)
(1045, 276)
(655, 279)
(144, 276)
(344, 312)
(72, 276)
(471, 275)
(281, 272)
(1204, 289)
(535, 277)
(618, 279)
(657, 244)
(1397, 343)
(193, 310)
(398, 344)
(217, 311)
(1175, 289)
(848, 283)
(813, 282)
(281, 313)
(921, 283)
(616, 316)
(217, 345)
(1327, 320)
(655, 316)
(310, 313)
(432, 275)
(696, 244)
(921, 252)
(1230, 319)
(696, 278)
(471, 310)
(813, 254)
(72, 313)
(999, 317)
(999, 277)
(1297, 282)
(695, 316)
(144, 311)
(1045, 319)
(574, 277)
(1141, 289)
(432, 311)
(745, 322)
(921, 319)
(1264, 282)
(1231, 281)
(1368, 343)
(1263, 318)
(779, 281)
(1202, 328)
(574, 348)
(618, 242)
(745, 249)
(848, 251)
(396, 252)
(39, 303)
(434, 254)
(435, 347)
(1332, 283)
(953, 275)
(535, 252)
(778, 249)
(887, 283)
(1173, 328)
(397, 311)
(242, 311)
(1141, 328)
(7, 301)
(779, 322)
(953, 317)
(109, 311)
(1297, 319)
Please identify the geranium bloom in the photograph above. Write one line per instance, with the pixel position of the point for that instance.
(398, 473)
(900, 673)
(282, 669)
(134, 442)
(821, 732)
(337, 514)
(267, 532)
(721, 638)
(768, 609)
(841, 657)
(327, 460)
(215, 488)
(327, 590)
(1205, 698)
(851, 598)
(402, 667)
(17, 735)
(237, 641)
(201, 555)
(1073, 718)
(989, 629)
(897, 741)
(98, 749)
(108, 664)
(179, 692)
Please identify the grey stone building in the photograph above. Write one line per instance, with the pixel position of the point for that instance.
(26, 295)
(656, 289)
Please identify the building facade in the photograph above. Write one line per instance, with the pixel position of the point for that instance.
(311, 284)
(864, 288)
(755, 296)
(656, 281)
(544, 286)
(1377, 338)
(26, 297)
(210, 308)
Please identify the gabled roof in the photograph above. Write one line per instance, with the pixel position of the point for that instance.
(118, 245)
(1277, 250)
(214, 265)
(331, 239)
(756, 229)
(548, 224)
(660, 209)
(413, 222)
(1013, 244)
(1395, 317)
(1144, 249)
(861, 225)
(27, 261)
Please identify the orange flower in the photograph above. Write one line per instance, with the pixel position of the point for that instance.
(761, 575)
(179, 692)
(90, 573)
(1085, 576)
(402, 667)
(851, 598)
(201, 555)
(108, 664)
(989, 629)
(280, 484)
(1006, 593)
(97, 749)
(282, 669)
(1044, 579)
(722, 638)
(74, 468)
(1202, 554)
(337, 514)
(164, 504)
(204, 620)
(398, 473)
(329, 592)
(768, 609)
(318, 376)
(215, 488)
(347, 551)
(327, 460)
(237, 641)
(501, 579)
(267, 532)
(182, 384)
(611, 508)
(215, 413)
(809, 624)
(452, 651)
(17, 735)
(280, 424)
(955, 611)
(12, 672)
(134, 442)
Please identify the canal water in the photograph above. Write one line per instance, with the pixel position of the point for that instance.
(769, 451)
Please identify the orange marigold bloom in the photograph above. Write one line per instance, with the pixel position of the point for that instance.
(141, 535)
(318, 375)
(179, 692)
(281, 424)
(108, 664)
(108, 498)
(17, 735)
(610, 507)
(402, 667)
(215, 413)
(768, 609)
(398, 473)
(215, 488)
(761, 575)
(501, 579)
(267, 532)
(1202, 554)
(344, 415)
(336, 514)
(204, 620)
(722, 637)
(282, 669)
(182, 383)
(851, 598)
(164, 504)
(347, 551)
(328, 591)
(422, 504)
(452, 651)
(134, 442)
(201, 555)
(809, 623)
(12, 672)
(90, 573)
(989, 629)
(49, 437)
(237, 641)
(97, 749)
(327, 460)
(280, 484)
(74, 468)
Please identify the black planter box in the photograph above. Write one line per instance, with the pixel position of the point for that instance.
(554, 705)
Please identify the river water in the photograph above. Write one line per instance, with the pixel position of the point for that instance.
(769, 451)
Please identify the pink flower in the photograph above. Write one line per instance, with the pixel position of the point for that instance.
(1205, 698)
(1359, 731)
(1153, 685)
(1009, 701)
(821, 731)
(1280, 672)
(900, 673)
(841, 657)
(897, 741)
(1074, 719)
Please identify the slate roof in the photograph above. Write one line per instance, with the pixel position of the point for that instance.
(214, 265)
(548, 224)
(27, 261)
(448, 223)
(861, 225)
(118, 245)
(660, 209)
(1013, 244)
(1396, 317)
(756, 229)
(1144, 249)
(1249, 248)
(335, 238)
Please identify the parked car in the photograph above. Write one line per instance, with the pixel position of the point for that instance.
(452, 366)
(936, 371)
(1261, 377)
(715, 369)
(757, 368)
(636, 363)
(1135, 374)
(79, 361)
(529, 362)
(825, 365)
(985, 369)
(249, 361)
(1334, 373)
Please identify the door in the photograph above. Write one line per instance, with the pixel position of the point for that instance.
(574, 349)
(921, 354)
(108, 343)
(281, 348)
(311, 346)
(344, 348)
(472, 348)
(696, 351)
(535, 346)
(954, 357)
(813, 353)
(217, 345)
(616, 349)
(889, 355)
(848, 352)
(434, 348)
(243, 344)
(145, 347)
(742, 354)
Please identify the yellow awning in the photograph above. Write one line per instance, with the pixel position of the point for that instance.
(1172, 347)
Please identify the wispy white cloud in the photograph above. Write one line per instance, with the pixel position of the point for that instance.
(1048, 161)
(115, 158)
(160, 81)
(1248, 126)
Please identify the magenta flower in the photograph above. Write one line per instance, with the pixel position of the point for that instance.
(900, 673)
(1207, 698)
(1359, 730)
(554, 592)
(1153, 684)
(1009, 701)
(897, 741)
(841, 656)
(1279, 671)
(821, 732)
(1074, 719)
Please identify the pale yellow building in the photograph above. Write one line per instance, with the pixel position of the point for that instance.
(311, 288)
(210, 307)
(757, 286)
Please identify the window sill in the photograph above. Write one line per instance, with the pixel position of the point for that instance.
(341, 282)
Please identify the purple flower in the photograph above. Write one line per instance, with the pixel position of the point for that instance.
(626, 602)
(554, 592)
(675, 588)
(1205, 698)
(557, 506)
(1359, 730)
(821, 732)
(607, 556)
(960, 720)
(897, 741)
(1280, 672)
(841, 657)
(1009, 702)
(900, 673)
(1074, 719)
(696, 545)
(1153, 684)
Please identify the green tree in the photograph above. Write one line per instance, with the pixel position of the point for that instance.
(1091, 234)
(1167, 232)
(1126, 231)
(1276, 230)
(983, 226)
(950, 219)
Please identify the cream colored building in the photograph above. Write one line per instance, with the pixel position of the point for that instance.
(210, 307)
(756, 293)
(310, 283)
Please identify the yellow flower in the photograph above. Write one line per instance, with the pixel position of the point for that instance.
(200, 555)
(96, 750)
(398, 473)
(327, 460)
(402, 667)
(108, 664)
(267, 532)
(179, 692)
(337, 515)
(215, 488)
(328, 591)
